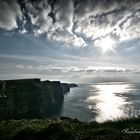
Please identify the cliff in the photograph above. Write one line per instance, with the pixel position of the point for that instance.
(53, 97)
(20, 99)
(72, 85)
(65, 87)
(29, 98)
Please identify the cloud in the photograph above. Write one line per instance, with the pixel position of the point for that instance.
(64, 69)
(25, 67)
(99, 69)
(93, 19)
(73, 22)
(9, 12)
(55, 23)
(39, 14)
(119, 23)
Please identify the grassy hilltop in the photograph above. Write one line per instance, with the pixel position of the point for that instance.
(69, 129)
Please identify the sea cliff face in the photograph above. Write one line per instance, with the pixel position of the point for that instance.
(20, 99)
(52, 97)
(65, 87)
(30, 98)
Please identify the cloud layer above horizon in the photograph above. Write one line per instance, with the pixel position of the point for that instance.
(77, 33)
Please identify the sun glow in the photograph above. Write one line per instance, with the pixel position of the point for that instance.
(105, 44)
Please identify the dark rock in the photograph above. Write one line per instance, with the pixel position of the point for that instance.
(54, 89)
(20, 99)
(73, 85)
(65, 87)
(53, 97)
(70, 119)
(29, 98)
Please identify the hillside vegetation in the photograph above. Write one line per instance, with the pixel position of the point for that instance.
(69, 129)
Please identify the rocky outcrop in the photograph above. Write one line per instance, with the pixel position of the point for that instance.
(72, 85)
(66, 87)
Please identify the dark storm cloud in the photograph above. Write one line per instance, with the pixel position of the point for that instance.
(72, 22)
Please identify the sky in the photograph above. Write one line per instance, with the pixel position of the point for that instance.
(81, 41)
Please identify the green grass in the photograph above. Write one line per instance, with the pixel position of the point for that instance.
(69, 129)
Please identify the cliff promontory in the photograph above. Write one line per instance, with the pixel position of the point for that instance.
(30, 98)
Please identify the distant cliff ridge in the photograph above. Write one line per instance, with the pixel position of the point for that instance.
(66, 87)
(30, 98)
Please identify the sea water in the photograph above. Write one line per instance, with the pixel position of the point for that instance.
(102, 101)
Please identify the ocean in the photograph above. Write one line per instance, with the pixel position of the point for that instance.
(102, 101)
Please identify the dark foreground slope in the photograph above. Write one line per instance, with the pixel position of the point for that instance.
(68, 129)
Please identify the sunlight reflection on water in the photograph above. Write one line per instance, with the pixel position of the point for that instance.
(108, 102)
(103, 101)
